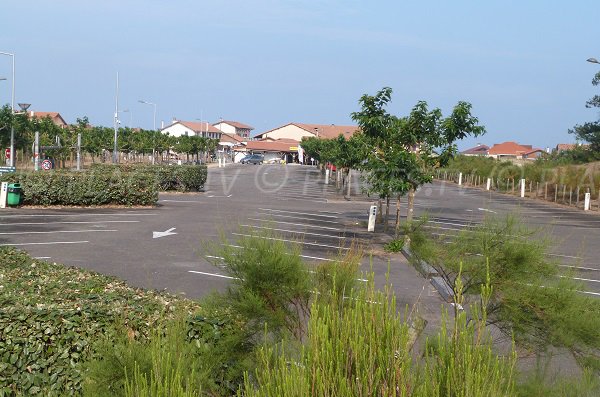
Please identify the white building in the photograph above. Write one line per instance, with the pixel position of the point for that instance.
(192, 128)
(297, 131)
(234, 127)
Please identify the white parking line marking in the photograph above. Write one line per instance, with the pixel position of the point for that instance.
(586, 279)
(292, 241)
(65, 215)
(61, 231)
(581, 267)
(294, 231)
(298, 213)
(297, 217)
(42, 257)
(565, 256)
(182, 201)
(213, 275)
(295, 224)
(64, 223)
(49, 243)
(302, 256)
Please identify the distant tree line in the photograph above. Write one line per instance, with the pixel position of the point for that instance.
(97, 142)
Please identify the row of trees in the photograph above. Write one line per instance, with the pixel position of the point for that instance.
(396, 154)
(97, 142)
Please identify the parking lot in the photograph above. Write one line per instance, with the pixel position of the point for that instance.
(171, 246)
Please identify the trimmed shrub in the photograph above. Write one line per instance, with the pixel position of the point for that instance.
(181, 178)
(86, 188)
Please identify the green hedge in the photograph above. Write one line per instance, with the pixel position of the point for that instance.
(86, 188)
(181, 178)
(51, 315)
(107, 184)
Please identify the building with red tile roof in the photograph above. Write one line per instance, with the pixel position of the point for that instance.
(297, 131)
(234, 127)
(479, 150)
(192, 128)
(512, 150)
(54, 116)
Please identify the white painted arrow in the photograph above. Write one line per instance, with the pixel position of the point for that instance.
(163, 234)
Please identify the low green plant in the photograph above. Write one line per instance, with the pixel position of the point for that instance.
(50, 315)
(165, 365)
(394, 245)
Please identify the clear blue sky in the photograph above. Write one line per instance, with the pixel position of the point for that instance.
(266, 63)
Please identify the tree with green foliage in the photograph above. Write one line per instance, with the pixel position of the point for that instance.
(406, 150)
(590, 131)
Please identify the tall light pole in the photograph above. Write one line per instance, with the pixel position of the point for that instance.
(12, 110)
(116, 123)
(153, 124)
(593, 60)
(154, 117)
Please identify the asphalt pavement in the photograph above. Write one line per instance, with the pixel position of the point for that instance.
(172, 246)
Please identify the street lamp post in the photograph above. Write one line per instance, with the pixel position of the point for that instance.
(593, 60)
(12, 110)
(116, 124)
(153, 122)
(154, 117)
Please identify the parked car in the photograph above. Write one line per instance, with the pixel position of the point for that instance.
(253, 159)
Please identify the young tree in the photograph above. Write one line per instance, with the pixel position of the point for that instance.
(405, 150)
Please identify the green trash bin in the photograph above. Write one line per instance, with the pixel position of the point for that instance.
(14, 194)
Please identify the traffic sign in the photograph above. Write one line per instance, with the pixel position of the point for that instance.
(7, 153)
(4, 170)
(46, 165)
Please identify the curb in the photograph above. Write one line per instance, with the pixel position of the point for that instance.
(429, 272)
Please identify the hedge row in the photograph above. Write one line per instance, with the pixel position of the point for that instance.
(107, 184)
(85, 188)
(182, 178)
(51, 315)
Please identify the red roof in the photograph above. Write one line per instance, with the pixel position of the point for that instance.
(479, 149)
(55, 116)
(327, 131)
(197, 126)
(234, 138)
(509, 149)
(236, 124)
(273, 146)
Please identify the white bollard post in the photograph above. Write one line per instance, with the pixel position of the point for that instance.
(459, 178)
(327, 176)
(219, 161)
(489, 184)
(3, 194)
(372, 216)
(522, 187)
(586, 204)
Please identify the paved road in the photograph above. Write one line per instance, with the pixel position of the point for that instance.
(575, 234)
(292, 201)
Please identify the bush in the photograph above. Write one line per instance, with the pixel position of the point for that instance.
(362, 347)
(532, 301)
(182, 178)
(85, 188)
(50, 315)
